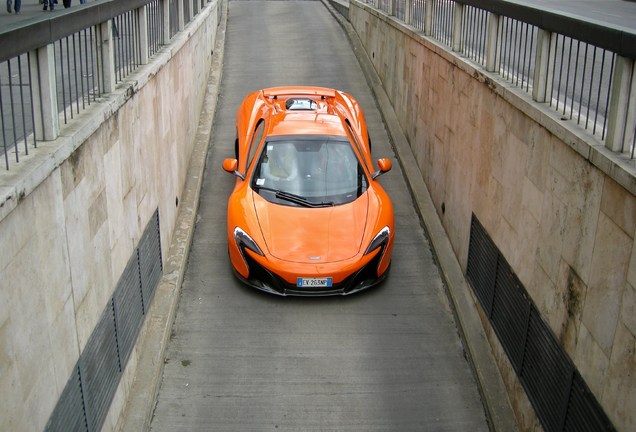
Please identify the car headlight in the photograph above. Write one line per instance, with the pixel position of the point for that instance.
(380, 240)
(244, 240)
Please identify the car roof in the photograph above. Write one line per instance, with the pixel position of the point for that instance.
(305, 124)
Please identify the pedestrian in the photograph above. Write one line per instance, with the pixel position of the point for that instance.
(16, 7)
(50, 4)
(67, 3)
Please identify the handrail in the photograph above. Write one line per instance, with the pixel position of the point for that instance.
(16, 40)
(581, 68)
(621, 41)
(51, 69)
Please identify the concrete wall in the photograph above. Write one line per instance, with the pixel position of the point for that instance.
(560, 208)
(73, 212)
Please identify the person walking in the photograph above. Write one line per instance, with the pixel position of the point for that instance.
(50, 4)
(14, 7)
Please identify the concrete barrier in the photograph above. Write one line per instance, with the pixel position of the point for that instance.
(74, 214)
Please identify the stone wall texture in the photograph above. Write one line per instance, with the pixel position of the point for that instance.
(565, 226)
(84, 201)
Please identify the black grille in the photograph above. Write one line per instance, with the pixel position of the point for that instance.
(69, 414)
(86, 398)
(582, 414)
(482, 264)
(150, 265)
(100, 371)
(546, 374)
(128, 309)
(510, 315)
(557, 392)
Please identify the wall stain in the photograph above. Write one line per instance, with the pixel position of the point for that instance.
(573, 299)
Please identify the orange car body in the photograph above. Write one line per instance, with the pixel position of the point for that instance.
(293, 229)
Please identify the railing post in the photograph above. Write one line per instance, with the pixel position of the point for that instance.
(181, 14)
(143, 34)
(196, 7)
(542, 71)
(408, 12)
(630, 124)
(622, 97)
(165, 5)
(107, 56)
(42, 75)
(491, 42)
(457, 26)
(428, 17)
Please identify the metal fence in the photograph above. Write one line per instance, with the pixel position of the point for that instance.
(69, 62)
(516, 53)
(16, 108)
(583, 71)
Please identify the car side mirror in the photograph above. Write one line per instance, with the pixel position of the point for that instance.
(230, 165)
(384, 166)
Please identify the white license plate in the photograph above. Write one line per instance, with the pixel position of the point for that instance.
(313, 282)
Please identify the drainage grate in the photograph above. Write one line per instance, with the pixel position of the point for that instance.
(150, 266)
(69, 412)
(556, 390)
(511, 314)
(482, 265)
(86, 399)
(99, 366)
(128, 309)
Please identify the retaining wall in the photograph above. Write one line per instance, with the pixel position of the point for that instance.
(73, 213)
(558, 206)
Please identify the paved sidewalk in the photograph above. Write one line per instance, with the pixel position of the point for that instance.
(31, 11)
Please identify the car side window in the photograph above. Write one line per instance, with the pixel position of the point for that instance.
(256, 140)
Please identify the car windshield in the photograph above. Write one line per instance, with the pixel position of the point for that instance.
(309, 172)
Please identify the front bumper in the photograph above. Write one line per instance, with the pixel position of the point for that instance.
(265, 280)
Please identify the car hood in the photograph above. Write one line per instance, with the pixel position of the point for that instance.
(312, 235)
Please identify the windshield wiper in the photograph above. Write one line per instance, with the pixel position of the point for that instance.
(296, 199)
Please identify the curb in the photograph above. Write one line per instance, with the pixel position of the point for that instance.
(497, 408)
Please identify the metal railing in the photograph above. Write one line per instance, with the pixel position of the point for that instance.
(474, 34)
(55, 69)
(516, 53)
(583, 71)
(79, 82)
(442, 13)
(16, 107)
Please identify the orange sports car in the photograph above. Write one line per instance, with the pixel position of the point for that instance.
(307, 215)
